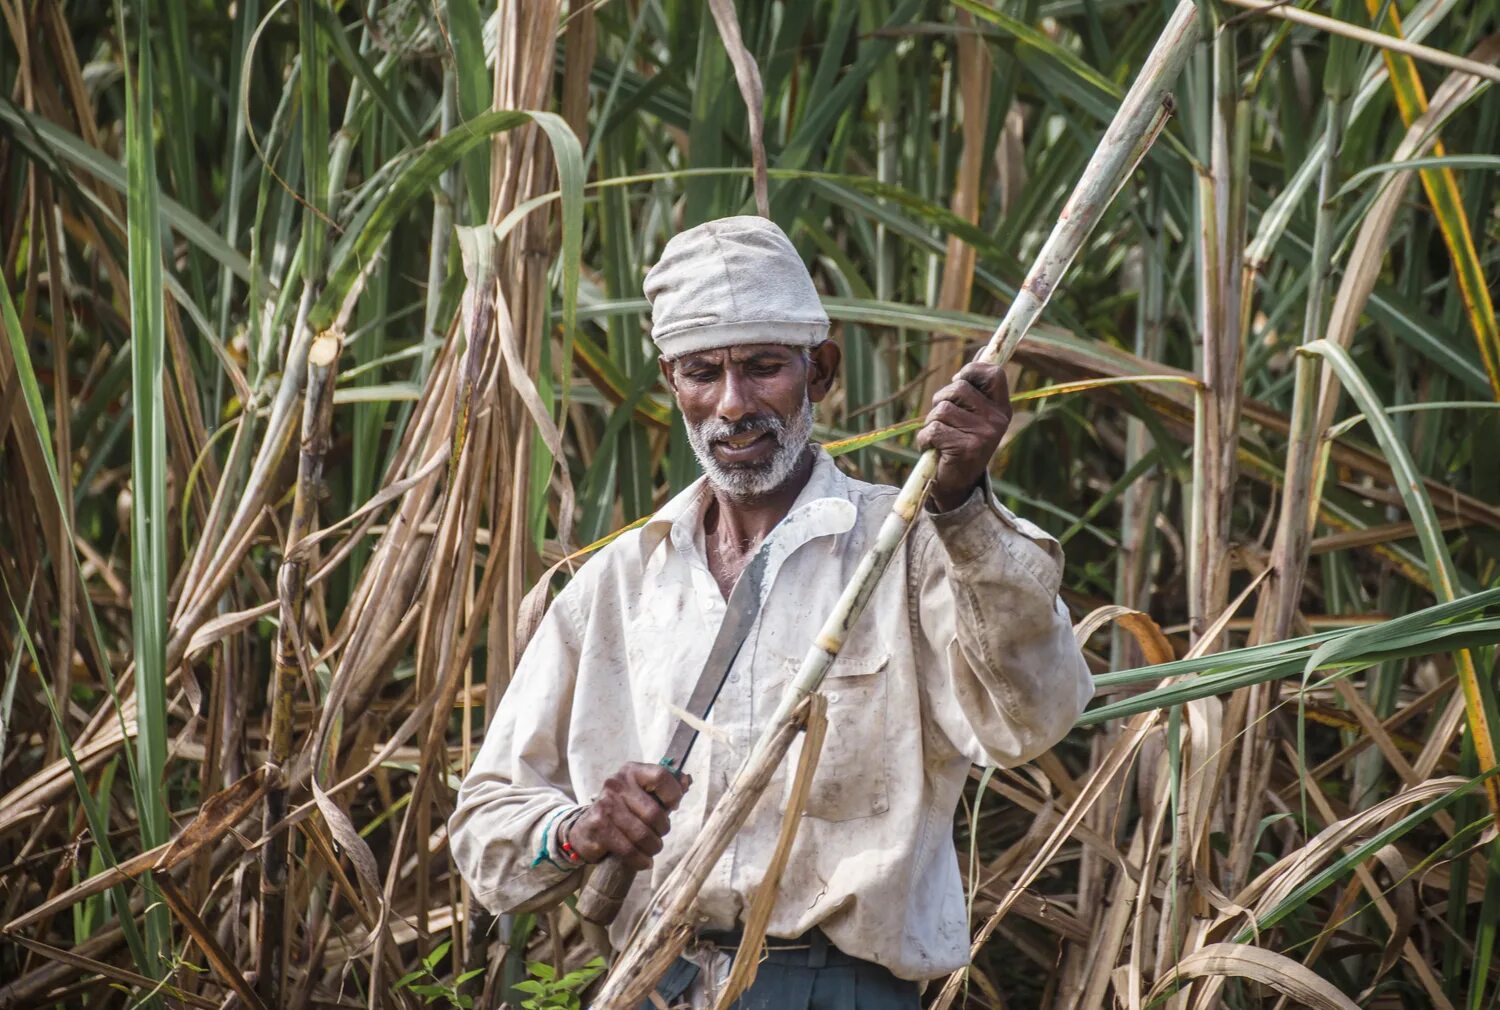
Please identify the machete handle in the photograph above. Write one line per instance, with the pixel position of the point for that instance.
(600, 900)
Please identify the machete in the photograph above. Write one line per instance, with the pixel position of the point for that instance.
(605, 891)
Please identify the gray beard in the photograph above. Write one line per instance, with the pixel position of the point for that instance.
(753, 480)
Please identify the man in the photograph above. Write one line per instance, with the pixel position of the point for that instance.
(964, 655)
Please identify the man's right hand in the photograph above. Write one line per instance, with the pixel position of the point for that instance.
(630, 817)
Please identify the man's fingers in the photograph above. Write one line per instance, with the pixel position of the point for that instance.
(961, 394)
(988, 379)
(938, 434)
(964, 396)
(619, 844)
(638, 832)
(622, 832)
(978, 375)
(659, 782)
(951, 413)
(647, 808)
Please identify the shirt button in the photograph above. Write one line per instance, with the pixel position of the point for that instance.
(833, 696)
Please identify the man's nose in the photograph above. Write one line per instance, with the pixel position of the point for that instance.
(734, 397)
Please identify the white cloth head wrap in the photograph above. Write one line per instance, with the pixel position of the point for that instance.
(729, 282)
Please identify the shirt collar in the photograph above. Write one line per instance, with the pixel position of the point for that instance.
(685, 510)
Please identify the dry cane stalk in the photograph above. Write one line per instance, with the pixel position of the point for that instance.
(1140, 119)
(752, 943)
(292, 590)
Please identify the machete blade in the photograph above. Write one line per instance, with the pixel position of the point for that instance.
(740, 611)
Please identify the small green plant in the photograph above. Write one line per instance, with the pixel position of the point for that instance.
(548, 992)
(435, 988)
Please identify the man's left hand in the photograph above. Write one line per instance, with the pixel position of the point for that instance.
(968, 418)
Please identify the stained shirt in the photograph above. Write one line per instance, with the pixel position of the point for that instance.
(965, 654)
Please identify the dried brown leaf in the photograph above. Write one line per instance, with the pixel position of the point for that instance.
(1279, 972)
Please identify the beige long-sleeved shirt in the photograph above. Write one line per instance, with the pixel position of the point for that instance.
(964, 654)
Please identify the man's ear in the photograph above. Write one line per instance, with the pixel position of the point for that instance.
(666, 373)
(822, 369)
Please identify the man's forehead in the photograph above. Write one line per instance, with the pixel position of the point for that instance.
(740, 353)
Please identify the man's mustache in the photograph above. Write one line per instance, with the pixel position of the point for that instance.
(718, 431)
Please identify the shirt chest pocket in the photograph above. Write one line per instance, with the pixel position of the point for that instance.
(852, 779)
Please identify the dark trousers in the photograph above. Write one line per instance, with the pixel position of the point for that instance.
(807, 973)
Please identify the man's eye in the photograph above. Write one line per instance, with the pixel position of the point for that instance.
(763, 370)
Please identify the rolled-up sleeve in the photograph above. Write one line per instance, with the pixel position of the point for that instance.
(1002, 677)
(518, 789)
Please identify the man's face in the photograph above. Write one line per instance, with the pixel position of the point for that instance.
(748, 411)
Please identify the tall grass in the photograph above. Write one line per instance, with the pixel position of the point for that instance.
(194, 197)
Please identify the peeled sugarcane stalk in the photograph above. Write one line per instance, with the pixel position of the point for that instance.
(291, 584)
(667, 927)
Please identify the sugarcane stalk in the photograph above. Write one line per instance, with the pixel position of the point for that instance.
(317, 409)
(1137, 123)
(1299, 500)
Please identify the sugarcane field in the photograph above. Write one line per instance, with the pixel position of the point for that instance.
(750, 504)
